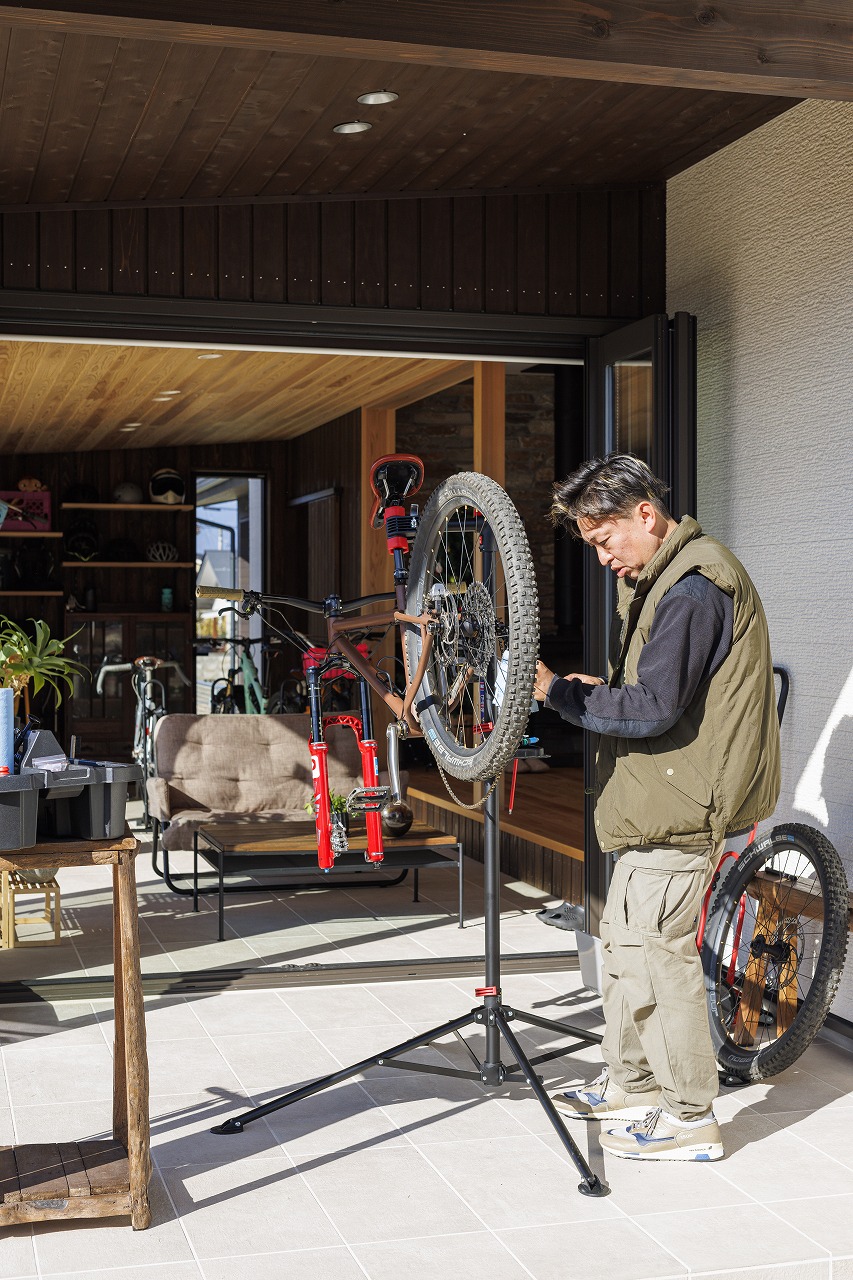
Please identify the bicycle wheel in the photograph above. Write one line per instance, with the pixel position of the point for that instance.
(226, 699)
(774, 949)
(472, 572)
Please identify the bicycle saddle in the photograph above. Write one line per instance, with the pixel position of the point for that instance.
(393, 478)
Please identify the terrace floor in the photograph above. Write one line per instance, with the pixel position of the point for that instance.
(392, 1173)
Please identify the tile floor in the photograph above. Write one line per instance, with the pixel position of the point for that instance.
(394, 1174)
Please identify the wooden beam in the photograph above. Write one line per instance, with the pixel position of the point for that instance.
(490, 419)
(793, 48)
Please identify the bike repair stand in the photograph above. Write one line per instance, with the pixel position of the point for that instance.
(492, 1015)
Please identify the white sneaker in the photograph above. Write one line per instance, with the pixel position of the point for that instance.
(603, 1099)
(664, 1137)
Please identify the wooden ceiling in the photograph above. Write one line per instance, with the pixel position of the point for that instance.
(90, 119)
(59, 397)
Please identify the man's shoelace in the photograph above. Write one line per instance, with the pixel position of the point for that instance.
(647, 1126)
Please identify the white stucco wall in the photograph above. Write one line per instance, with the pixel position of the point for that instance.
(760, 249)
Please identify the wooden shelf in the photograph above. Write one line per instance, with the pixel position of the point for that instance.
(127, 506)
(28, 533)
(128, 564)
(32, 593)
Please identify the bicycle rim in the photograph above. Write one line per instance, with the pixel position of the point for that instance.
(471, 571)
(774, 950)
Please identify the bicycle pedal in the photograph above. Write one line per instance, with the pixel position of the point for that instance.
(368, 799)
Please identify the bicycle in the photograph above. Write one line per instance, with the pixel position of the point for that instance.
(241, 690)
(772, 934)
(150, 694)
(466, 605)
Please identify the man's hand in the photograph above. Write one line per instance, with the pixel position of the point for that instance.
(544, 677)
(542, 682)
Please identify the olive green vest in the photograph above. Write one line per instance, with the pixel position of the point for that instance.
(717, 769)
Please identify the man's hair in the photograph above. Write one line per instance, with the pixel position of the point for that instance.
(607, 488)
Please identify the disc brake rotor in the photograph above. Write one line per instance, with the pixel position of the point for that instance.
(477, 628)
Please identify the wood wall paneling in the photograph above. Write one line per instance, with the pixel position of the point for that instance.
(93, 240)
(20, 251)
(437, 255)
(653, 251)
(370, 254)
(500, 254)
(336, 255)
(303, 253)
(200, 253)
(404, 271)
(468, 254)
(236, 270)
(130, 256)
(563, 254)
(533, 255)
(624, 253)
(165, 253)
(268, 252)
(56, 252)
(594, 263)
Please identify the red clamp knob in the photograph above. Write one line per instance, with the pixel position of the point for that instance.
(487, 991)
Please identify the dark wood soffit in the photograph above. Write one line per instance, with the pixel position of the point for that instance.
(792, 48)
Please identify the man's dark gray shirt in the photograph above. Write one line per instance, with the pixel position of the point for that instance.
(691, 635)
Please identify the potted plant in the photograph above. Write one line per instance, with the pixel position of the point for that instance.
(34, 660)
(338, 805)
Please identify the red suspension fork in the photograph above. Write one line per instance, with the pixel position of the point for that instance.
(370, 775)
(322, 803)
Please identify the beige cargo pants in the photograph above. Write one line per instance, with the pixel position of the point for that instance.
(653, 991)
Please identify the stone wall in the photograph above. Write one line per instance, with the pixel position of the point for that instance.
(440, 430)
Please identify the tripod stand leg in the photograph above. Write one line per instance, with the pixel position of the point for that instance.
(592, 1184)
(237, 1123)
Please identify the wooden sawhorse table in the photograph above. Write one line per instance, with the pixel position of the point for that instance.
(46, 1181)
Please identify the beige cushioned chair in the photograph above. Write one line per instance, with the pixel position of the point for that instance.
(239, 768)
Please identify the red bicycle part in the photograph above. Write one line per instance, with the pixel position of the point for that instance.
(487, 991)
(322, 803)
(370, 774)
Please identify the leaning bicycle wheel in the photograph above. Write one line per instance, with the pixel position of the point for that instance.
(774, 949)
(471, 572)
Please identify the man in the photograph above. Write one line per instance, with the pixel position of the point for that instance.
(689, 750)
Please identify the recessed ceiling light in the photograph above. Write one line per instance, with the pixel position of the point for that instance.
(127, 428)
(352, 126)
(170, 393)
(162, 399)
(210, 355)
(131, 425)
(377, 97)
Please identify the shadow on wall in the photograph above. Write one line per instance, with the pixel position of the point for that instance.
(810, 795)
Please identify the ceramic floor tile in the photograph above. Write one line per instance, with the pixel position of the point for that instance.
(590, 1250)
(337, 1121)
(331, 1008)
(830, 1131)
(101, 1244)
(181, 1124)
(751, 1236)
(442, 1110)
(67, 1022)
(830, 1063)
(163, 1271)
(477, 1253)
(824, 1218)
(388, 1191)
(280, 1060)
(39, 1073)
(17, 1257)
(66, 1121)
(516, 1182)
(243, 1013)
(309, 1264)
(228, 1210)
(165, 1019)
(357, 1044)
(795, 1163)
(176, 1065)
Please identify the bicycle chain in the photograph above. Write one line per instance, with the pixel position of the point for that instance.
(477, 803)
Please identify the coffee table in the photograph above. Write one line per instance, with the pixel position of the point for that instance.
(290, 848)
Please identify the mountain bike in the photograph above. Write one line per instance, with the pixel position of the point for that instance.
(773, 934)
(241, 690)
(150, 694)
(466, 606)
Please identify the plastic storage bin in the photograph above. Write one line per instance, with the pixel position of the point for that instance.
(19, 796)
(77, 801)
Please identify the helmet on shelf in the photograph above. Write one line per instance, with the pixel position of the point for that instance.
(128, 491)
(167, 486)
(162, 551)
(81, 540)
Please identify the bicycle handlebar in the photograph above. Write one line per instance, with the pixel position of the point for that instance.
(117, 668)
(219, 593)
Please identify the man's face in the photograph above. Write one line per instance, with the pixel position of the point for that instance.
(624, 544)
